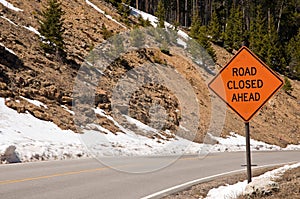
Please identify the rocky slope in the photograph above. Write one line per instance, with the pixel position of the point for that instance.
(33, 74)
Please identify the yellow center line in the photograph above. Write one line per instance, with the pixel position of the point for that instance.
(52, 176)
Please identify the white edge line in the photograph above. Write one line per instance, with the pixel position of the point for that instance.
(197, 181)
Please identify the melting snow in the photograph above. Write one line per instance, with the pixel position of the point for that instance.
(236, 142)
(102, 12)
(36, 139)
(67, 109)
(233, 191)
(144, 15)
(7, 49)
(10, 6)
(32, 29)
(10, 21)
(34, 102)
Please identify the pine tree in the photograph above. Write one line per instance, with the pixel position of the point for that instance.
(160, 14)
(274, 51)
(199, 33)
(195, 27)
(124, 10)
(205, 43)
(228, 33)
(214, 28)
(51, 28)
(257, 34)
(294, 56)
(234, 34)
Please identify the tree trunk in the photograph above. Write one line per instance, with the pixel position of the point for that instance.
(178, 12)
(147, 6)
(186, 13)
(279, 18)
(269, 21)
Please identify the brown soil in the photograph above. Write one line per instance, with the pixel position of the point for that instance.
(33, 74)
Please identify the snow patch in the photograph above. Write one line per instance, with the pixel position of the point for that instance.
(233, 191)
(10, 21)
(7, 49)
(35, 139)
(35, 102)
(67, 109)
(144, 15)
(235, 142)
(10, 6)
(102, 12)
(32, 29)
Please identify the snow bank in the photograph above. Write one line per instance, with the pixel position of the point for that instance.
(10, 6)
(261, 182)
(235, 142)
(128, 143)
(35, 139)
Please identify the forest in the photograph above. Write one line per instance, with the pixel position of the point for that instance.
(270, 28)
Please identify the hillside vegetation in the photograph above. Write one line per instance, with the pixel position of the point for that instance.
(31, 72)
(271, 29)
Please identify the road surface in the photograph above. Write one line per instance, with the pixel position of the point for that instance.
(88, 178)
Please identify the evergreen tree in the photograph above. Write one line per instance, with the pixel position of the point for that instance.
(124, 10)
(287, 87)
(257, 34)
(214, 28)
(234, 35)
(294, 56)
(273, 57)
(195, 27)
(229, 31)
(199, 33)
(51, 28)
(160, 14)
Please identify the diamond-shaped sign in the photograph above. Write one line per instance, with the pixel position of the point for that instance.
(246, 83)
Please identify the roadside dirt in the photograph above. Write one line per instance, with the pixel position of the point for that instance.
(201, 190)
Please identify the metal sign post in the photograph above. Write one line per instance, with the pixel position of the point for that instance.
(248, 151)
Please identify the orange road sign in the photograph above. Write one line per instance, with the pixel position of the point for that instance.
(246, 83)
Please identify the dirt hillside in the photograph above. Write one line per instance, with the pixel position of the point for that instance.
(35, 75)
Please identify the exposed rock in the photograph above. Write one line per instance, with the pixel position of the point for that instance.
(66, 100)
(10, 155)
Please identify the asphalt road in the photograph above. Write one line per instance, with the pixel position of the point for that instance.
(88, 178)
